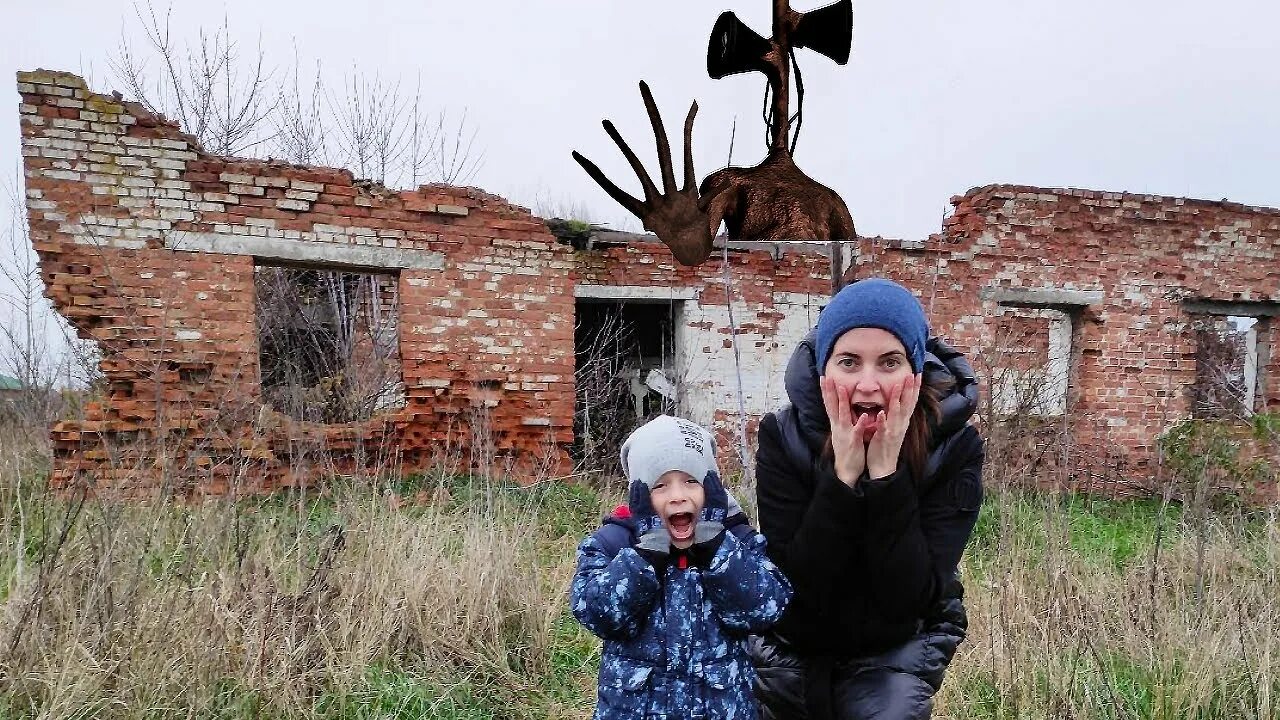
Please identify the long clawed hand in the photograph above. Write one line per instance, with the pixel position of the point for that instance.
(675, 215)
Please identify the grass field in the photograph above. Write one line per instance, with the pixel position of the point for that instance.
(444, 597)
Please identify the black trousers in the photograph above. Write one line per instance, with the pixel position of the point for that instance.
(895, 685)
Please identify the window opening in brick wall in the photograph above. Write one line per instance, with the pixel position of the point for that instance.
(1227, 362)
(328, 343)
(1031, 362)
(624, 355)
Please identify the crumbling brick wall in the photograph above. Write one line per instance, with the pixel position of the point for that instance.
(1129, 273)
(148, 246)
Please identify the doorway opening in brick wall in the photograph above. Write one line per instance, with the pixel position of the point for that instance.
(328, 342)
(624, 359)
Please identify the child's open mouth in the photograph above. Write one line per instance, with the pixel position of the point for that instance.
(680, 526)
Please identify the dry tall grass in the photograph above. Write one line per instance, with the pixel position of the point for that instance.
(274, 605)
(352, 604)
(1070, 618)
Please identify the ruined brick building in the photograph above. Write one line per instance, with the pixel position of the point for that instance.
(1089, 308)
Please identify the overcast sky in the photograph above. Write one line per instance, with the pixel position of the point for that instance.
(1160, 96)
(1156, 96)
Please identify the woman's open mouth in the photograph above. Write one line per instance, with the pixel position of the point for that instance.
(860, 409)
(872, 409)
(680, 526)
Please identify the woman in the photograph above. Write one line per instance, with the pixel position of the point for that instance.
(868, 488)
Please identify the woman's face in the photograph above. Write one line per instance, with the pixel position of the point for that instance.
(868, 362)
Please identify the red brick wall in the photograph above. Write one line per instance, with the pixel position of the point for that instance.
(486, 339)
(1133, 357)
(487, 305)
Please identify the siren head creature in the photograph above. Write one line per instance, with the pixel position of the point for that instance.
(773, 200)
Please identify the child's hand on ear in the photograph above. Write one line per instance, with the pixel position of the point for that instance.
(653, 542)
(709, 532)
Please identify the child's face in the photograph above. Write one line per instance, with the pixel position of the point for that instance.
(678, 499)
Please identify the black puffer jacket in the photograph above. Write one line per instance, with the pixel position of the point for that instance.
(873, 566)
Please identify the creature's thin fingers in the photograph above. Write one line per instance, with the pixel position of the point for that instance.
(650, 191)
(690, 179)
(623, 198)
(660, 135)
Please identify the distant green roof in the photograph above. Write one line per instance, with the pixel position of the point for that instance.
(8, 383)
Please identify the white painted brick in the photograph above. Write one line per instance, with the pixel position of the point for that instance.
(306, 186)
(236, 178)
(293, 205)
(178, 215)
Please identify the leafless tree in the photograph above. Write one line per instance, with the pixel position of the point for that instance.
(219, 94)
(234, 103)
(37, 347)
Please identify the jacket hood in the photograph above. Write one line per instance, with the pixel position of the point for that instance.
(941, 361)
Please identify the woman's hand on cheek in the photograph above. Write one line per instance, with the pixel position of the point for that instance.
(886, 445)
(848, 439)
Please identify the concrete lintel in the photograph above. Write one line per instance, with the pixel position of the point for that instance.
(1042, 297)
(635, 293)
(1263, 308)
(776, 248)
(307, 252)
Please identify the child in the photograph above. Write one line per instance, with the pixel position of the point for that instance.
(673, 583)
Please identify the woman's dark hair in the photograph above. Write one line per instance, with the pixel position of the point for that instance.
(919, 441)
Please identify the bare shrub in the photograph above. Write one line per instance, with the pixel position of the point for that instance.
(328, 343)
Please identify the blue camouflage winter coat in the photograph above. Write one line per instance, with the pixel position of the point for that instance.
(675, 648)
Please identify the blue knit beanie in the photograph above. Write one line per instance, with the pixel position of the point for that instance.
(877, 303)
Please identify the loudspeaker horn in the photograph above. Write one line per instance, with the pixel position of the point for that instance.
(735, 48)
(827, 30)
